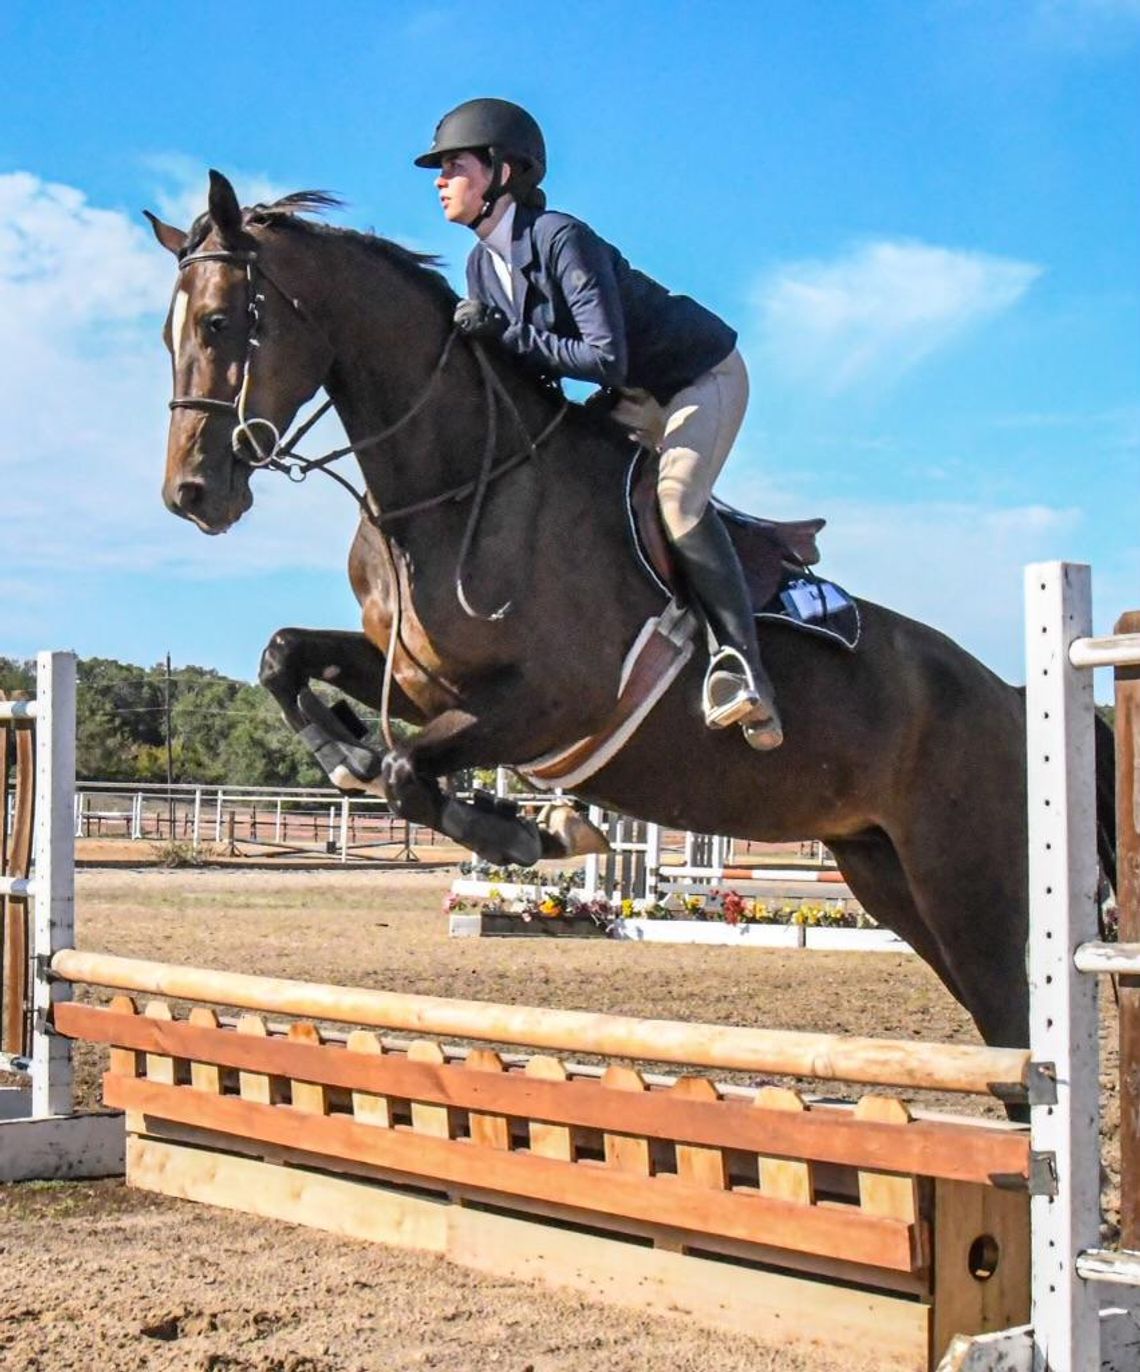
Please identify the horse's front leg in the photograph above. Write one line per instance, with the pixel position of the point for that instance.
(293, 659)
(490, 826)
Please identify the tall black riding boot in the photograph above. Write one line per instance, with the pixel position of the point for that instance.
(737, 688)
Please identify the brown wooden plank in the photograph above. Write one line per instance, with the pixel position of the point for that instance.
(958, 1152)
(9, 1034)
(20, 840)
(1128, 905)
(15, 910)
(832, 1231)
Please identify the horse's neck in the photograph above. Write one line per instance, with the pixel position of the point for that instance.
(389, 340)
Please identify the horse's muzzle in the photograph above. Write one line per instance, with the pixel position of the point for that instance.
(193, 499)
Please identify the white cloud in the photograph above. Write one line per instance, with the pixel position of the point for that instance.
(880, 309)
(184, 185)
(84, 381)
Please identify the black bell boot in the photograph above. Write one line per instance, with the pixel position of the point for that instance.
(737, 689)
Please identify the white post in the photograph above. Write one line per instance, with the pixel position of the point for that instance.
(1063, 894)
(652, 862)
(54, 903)
(196, 833)
(597, 816)
(344, 804)
(277, 822)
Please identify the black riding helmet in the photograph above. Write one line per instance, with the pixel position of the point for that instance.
(507, 132)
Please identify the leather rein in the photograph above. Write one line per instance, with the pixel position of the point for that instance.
(281, 456)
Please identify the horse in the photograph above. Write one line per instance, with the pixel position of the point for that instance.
(500, 591)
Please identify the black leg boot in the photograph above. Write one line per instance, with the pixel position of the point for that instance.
(737, 688)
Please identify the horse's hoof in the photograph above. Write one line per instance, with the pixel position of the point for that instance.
(397, 772)
(565, 833)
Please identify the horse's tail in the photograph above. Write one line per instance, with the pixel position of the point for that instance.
(1106, 798)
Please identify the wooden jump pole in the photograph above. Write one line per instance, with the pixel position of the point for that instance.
(877, 1062)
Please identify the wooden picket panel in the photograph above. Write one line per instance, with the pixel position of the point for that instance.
(541, 1096)
(786, 1185)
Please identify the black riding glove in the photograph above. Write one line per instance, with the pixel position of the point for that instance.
(474, 319)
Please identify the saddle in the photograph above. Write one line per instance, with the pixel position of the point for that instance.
(765, 547)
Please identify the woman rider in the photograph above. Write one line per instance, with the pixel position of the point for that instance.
(582, 311)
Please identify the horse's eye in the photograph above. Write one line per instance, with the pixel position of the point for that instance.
(215, 324)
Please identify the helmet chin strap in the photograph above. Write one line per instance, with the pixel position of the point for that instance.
(494, 192)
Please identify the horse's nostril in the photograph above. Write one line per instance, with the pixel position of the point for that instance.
(190, 495)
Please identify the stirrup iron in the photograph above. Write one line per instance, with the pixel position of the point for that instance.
(729, 693)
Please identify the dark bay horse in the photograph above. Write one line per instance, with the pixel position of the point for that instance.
(907, 757)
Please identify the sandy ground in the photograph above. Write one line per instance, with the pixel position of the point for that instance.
(97, 1277)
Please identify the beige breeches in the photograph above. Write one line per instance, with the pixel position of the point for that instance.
(695, 431)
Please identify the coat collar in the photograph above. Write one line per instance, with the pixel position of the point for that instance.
(523, 252)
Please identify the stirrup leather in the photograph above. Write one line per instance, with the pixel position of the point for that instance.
(729, 693)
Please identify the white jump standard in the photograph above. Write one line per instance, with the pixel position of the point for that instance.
(40, 1137)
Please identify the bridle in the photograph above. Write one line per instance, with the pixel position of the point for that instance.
(281, 455)
(244, 432)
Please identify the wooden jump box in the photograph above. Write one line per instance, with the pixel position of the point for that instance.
(850, 1228)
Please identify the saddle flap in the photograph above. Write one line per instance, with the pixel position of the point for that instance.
(763, 546)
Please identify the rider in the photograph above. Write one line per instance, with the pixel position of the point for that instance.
(567, 302)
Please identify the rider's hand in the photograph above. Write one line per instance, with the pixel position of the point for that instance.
(474, 319)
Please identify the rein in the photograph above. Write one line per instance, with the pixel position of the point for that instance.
(281, 455)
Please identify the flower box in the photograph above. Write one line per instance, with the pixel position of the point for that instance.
(503, 924)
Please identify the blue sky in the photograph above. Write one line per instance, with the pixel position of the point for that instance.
(922, 216)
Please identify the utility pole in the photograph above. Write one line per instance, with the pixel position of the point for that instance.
(169, 754)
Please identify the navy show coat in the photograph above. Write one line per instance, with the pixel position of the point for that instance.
(586, 313)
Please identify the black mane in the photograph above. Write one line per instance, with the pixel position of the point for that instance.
(285, 213)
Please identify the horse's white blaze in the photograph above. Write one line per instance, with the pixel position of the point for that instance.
(178, 321)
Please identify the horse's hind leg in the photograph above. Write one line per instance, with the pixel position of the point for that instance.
(969, 884)
(293, 659)
(872, 870)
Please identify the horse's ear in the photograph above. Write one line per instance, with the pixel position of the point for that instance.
(172, 239)
(224, 208)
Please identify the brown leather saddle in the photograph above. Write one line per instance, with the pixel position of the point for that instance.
(766, 547)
